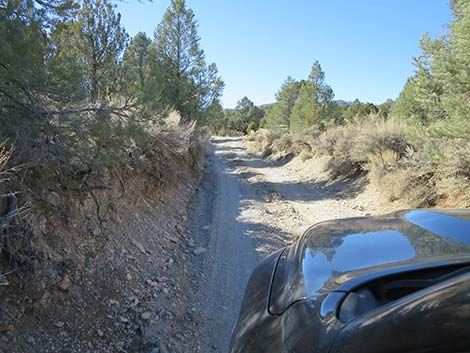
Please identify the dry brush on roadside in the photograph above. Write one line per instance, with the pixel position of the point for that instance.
(422, 171)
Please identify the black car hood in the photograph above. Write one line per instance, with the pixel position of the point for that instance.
(338, 255)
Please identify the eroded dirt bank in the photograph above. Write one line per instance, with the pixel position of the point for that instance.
(109, 265)
(247, 208)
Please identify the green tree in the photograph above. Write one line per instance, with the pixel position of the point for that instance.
(315, 104)
(190, 84)
(244, 113)
(439, 89)
(135, 63)
(213, 117)
(27, 88)
(278, 116)
(94, 41)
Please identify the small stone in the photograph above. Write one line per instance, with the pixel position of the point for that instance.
(100, 333)
(42, 221)
(113, 302)
(199, 251)
(146, 315)
(123, 319)
(4, 281)
(59, 324)
(206, 227)
(65, 283)
(139, 246)
(134, 300)
(45, 298)
(173, 239)
(54, 199)
(165, 291)
(128, 277)
(6, 327)
(152, 283)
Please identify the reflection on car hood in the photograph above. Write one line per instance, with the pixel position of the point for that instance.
(333, 255)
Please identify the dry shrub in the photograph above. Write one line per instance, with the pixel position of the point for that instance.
(251, 136)
(282, 144)
(15, 233)
(374, 146)
(260, 142)
(304, 144)
(413, 178)
(171, 151)
(173, 118)
(305, 155)
(381, 143)
(459, 159)
(337, 143)
(341, 167)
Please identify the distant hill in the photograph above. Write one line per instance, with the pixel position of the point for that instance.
(342, 103)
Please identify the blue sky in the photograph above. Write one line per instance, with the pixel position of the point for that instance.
(364, 46)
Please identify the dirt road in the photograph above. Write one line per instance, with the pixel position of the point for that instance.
(245, 209)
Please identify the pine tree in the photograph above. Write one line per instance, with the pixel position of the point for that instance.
(314, 105)
(94, 40)
(135, 66)
(213, 117)
(190, 84)
(278, 117)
